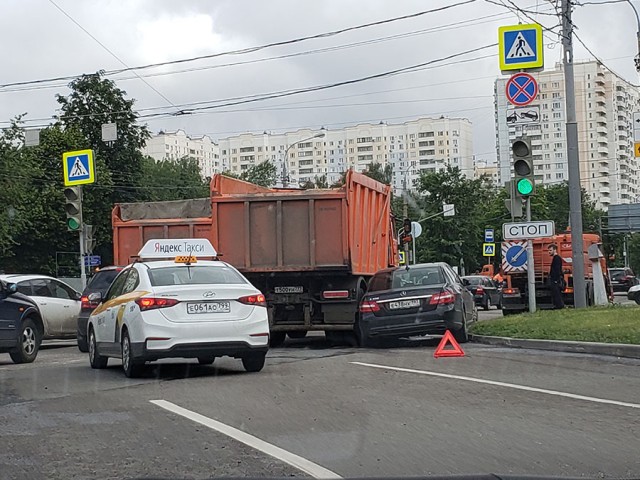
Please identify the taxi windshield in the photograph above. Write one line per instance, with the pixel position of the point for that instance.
(194, 275)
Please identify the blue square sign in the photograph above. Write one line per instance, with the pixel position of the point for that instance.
(488, 235)
(78, 167)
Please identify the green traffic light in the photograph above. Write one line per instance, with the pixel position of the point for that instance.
(524, 186)
(73, 224)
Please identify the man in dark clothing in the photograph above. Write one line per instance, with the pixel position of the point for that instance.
(556, 278)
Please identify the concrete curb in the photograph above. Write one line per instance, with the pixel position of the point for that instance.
(612, 349)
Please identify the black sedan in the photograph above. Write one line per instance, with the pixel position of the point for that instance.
(100, 282)
(622, 279)
(486, 292)
(423, 299)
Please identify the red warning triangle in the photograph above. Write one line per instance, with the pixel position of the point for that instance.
(456, 351)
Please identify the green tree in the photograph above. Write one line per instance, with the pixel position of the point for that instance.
(321, 181)
(380, 173)
(93, 101)
(451, 239)
(263, 174)
(172, 180)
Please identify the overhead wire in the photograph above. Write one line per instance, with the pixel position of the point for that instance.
(109, 51)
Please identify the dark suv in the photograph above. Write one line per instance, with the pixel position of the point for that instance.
(100, 282)
(622, 279)
(21, 327)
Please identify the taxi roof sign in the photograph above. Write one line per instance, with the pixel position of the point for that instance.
(172, 248)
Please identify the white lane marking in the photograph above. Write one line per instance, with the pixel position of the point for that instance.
(298, 462)
(503, 384)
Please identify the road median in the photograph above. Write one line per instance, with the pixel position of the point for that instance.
(613, 330)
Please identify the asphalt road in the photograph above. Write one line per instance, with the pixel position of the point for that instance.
(345, 411)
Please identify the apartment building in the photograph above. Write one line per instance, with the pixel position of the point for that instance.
(177, 144)
(488, 170)
(425, 144)
(605, 103)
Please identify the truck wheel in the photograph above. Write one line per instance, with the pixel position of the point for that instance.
(276, 338)
(28, 343)
(297, 334)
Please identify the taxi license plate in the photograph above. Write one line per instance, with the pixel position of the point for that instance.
(208, 307)
(296, 289)
(404, 304)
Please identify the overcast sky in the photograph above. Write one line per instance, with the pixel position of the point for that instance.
(39, 41)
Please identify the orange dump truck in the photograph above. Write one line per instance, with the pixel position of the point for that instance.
(515, 294)
(310, 252)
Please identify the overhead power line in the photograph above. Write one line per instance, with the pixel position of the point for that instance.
(254, 48)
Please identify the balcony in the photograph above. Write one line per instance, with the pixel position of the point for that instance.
(604, 190)
(600, 89)
(622, 153)
(605, 200)
(603, 161)
(603, 150)
(602, 130)
(623, 134)
(601, 109)
(602, 141)
(603, 170)
(605, 180)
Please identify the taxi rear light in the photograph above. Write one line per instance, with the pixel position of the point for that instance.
(511, 291)
(150, 303)
(444, 298)
(335, 294)
(264, 334)
(369, 306)
(254, 300)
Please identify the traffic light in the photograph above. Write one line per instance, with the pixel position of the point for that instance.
(405, 234)
(73, 208)
(523, 167)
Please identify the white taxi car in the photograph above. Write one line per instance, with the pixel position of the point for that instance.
(179, 308)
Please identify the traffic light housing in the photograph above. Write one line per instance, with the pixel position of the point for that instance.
(514, 203)
(524, 179)
(73, 208)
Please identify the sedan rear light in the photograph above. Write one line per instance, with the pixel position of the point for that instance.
(444, 298)
(479, 291)
(511, 291)
(369, 306)
(150, 303)
(254, 300)
(335, 294)
(86, 304)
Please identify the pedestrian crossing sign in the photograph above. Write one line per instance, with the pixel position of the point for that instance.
(78, 167)
(521, 47)
(488, 249)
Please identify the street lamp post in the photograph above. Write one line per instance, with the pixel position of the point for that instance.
(285, 168)
(637, 58)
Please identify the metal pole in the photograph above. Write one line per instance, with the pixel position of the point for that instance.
(531, 274)
(573, 162)
(405, 214)
(637, 59)
(83, 273)
(626, 252)
(413, 242)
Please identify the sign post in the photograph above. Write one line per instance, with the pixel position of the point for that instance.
(78, 168)
(531, 274)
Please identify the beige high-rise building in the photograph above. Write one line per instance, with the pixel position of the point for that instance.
(605, 104)
(177, 144)
(488, 170)
(425, 144)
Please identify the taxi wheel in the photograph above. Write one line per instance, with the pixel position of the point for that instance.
(95, 359)
(131, 367)
(254, 363)
(206, 360)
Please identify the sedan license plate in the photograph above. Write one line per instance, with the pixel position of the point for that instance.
(404, 304)
(208, 307)
(296, 289)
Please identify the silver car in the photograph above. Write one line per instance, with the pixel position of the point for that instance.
(59, 303)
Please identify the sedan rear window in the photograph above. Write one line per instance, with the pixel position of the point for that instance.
(194, 275)
(102, 280)
(402, 278)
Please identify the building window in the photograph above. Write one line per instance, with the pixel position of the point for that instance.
(557, 115)
(557, 105)
(233, 150)
(365, 140)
